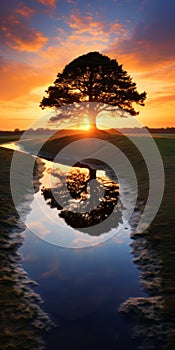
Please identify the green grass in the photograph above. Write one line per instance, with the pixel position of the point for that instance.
(154, 254)
(11, 138)
(8, 213)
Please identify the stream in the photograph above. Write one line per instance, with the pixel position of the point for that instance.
(82, 278)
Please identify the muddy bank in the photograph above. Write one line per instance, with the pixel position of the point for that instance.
(154, 315)
(22, 319)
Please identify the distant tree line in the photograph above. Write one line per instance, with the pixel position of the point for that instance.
(168, 130)
(151, 130)
(11, 133)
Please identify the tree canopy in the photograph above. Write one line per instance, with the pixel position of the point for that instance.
(94, 77)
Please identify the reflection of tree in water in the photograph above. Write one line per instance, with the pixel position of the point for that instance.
(93, 198)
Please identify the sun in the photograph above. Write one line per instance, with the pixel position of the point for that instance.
(86, 124)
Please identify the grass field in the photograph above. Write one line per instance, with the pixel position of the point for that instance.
(154, 254)
(8, 213)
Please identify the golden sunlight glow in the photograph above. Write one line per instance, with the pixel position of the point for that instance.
(86, 124)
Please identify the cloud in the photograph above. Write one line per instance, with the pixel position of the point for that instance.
(93, 27)
(17, 35)
(152, 40)
(51, 3)
(53, 270)
(166, 99)
(82, 34)
(25, 11)
(57, 56)
(17, 78)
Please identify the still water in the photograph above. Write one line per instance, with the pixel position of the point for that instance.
(82, 287)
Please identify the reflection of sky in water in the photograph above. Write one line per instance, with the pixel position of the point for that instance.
(12, 145)
(84, 287)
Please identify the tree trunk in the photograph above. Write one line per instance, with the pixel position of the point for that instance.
(92, 117)
(92, 174)
(93, 127)
(92, 171)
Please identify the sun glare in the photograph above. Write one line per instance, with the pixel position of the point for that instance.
(86, 124)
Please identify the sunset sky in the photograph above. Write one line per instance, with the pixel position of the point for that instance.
(39, 37)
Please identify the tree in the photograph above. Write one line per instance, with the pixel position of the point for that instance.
(94, 78)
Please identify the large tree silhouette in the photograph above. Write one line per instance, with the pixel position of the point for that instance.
(94, 78)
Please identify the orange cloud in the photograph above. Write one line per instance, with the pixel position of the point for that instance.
(163, 99)
(25, 11)
(51, 3)
(17, 35)
(54, 58)
(87, 31)
(87, 24)
(37, 40)
(157, 78)
(17, 79)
